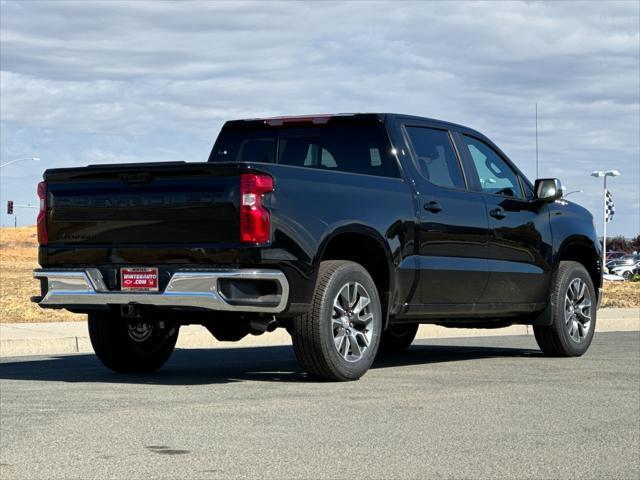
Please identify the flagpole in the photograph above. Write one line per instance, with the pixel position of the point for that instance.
(604, 238)
(605, 174)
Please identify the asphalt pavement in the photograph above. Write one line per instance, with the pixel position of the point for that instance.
(490, 407)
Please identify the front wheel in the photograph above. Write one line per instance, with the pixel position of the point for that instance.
(338, 338)
(573, 300)
(131, 346)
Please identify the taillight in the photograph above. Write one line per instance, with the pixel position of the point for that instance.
(43, 235)
(255, 221)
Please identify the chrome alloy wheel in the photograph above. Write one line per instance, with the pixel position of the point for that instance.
(577, 310)
(140, 331)
(352, 321)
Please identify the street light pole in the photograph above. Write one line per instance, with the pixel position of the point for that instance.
(604, 174)
(34, 159)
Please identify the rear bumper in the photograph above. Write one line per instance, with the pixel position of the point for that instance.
(78, 288)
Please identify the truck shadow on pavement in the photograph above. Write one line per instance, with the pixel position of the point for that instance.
(227, 365)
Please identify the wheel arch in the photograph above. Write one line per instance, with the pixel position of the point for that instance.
(580, 249)
(367, 247)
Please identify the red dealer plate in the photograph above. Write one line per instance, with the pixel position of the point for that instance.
(139, 279)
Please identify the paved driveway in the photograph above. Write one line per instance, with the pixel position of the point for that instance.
(489, 407)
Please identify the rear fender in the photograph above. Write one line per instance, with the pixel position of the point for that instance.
(379, 241)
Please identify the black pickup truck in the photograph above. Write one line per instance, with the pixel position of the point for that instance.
(347, 230)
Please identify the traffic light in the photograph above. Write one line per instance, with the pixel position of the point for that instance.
(10, 207)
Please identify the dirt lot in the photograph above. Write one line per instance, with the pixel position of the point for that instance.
(621, 294)
(19, 255)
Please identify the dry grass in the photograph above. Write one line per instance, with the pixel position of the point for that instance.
(621, 294)
(19, 256)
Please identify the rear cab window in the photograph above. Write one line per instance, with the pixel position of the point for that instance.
(240, 147)
(341, 147)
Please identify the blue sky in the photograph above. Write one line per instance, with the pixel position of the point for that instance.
(108, 82)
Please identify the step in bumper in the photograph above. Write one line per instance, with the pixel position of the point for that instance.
(188, 289)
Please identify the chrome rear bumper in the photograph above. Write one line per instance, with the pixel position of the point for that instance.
(199, 289)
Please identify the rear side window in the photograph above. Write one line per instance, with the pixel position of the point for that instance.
(436, 159)
(344, 148)
(305, 152)
(352, 149)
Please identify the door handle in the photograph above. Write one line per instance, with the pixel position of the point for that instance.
(433, 207)
(498, 213)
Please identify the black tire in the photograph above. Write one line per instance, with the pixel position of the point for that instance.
(313, 333)
(117, 349)
(397, 338)
(556, 339)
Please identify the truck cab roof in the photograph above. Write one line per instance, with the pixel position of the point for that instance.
(337, 118)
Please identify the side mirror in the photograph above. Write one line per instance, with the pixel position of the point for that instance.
(548, 189)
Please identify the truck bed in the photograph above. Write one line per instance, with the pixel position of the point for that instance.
(161, 203)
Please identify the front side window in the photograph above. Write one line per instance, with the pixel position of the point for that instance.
(436, 159)
(496, 176)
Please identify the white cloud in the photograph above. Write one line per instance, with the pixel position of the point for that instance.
(84, 81)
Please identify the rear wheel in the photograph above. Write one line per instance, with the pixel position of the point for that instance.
(573, 300)
(123, 345)
(338, 338)
(397, 338)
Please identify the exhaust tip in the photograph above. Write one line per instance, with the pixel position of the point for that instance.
(264, 325)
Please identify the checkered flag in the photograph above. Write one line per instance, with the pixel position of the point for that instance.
(610, 208)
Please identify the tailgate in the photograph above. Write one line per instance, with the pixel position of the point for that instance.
(162, 203)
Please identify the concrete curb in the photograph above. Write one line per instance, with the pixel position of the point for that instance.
(21, 339)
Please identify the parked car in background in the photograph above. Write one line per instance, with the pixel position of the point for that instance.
(626, 271)
(624, 261)
(615, 255)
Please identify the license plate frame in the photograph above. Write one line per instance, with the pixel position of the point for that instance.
(139, 279)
